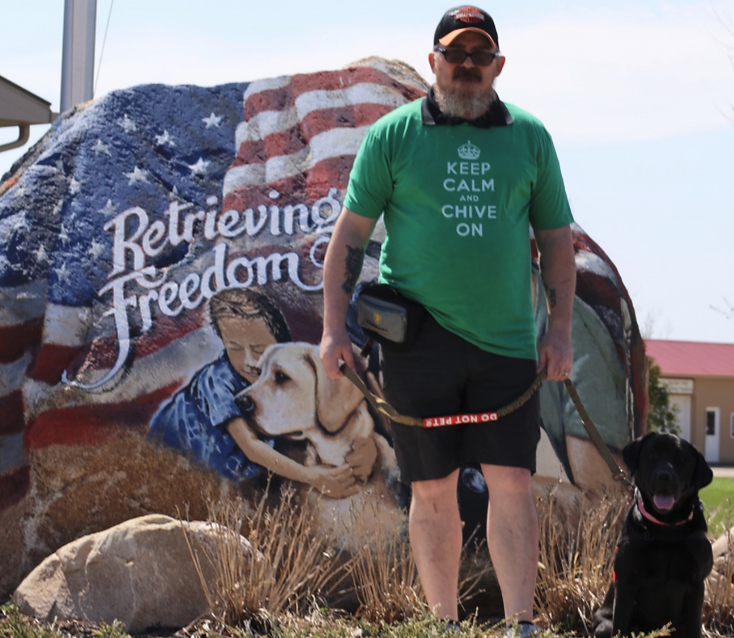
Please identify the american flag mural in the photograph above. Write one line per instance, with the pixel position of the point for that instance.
(79, 256)
(122, 223)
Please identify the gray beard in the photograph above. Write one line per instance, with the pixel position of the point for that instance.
(469, 103)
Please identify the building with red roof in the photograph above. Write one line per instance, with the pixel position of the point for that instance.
(700, 379)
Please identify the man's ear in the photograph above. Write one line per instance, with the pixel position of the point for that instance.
(501, 64)
(432, 61)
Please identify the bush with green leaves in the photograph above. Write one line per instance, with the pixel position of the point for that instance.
(662, 415)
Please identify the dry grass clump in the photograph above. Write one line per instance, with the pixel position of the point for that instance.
(718, 602)
(274, 561)
(278, 567)
(276, 570)
(383, 573)
(385, 578)
(576, 562)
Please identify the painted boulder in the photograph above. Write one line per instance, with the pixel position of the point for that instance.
(161, 256)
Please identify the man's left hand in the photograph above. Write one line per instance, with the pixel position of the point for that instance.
(555, 356)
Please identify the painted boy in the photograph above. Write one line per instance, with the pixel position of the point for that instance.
(203, 420)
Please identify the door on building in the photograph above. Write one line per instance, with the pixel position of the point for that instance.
(711, 444)
(683, 402)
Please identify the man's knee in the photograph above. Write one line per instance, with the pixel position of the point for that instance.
(436, 489)
(509, 480)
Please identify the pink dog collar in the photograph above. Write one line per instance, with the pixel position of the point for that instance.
(650, 517)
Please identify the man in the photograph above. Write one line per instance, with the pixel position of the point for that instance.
(460, 176)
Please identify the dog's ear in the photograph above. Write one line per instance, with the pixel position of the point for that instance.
(336, 399)
(631, 452)
(704, 474)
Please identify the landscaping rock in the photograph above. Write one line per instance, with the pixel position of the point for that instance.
(140, 572)
(723, 548)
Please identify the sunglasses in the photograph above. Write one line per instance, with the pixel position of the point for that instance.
(478, 58)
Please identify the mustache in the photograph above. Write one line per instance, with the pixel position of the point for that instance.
(467, 72)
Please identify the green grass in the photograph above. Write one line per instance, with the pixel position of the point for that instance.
(718, 498)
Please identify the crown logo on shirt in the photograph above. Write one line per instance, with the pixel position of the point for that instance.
(468, 151)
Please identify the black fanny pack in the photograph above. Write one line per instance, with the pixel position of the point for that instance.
(388, 317)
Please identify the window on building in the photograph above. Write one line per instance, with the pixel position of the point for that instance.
(710, 422)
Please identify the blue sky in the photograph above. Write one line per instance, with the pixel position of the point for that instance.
(637, 95)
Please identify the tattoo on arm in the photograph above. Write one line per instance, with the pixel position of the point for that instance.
(542, 273)
(353, 266)
(552, 297)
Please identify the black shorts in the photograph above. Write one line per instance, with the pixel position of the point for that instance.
(444, 375)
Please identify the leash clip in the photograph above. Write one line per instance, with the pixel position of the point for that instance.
(621, 478)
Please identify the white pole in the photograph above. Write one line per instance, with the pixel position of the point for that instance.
(77, 64)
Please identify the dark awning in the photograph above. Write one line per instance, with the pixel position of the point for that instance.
(21, 108)
(18, 106)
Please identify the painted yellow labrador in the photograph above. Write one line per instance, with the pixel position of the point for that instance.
(294, 398)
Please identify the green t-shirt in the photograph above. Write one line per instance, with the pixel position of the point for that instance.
(458, 202)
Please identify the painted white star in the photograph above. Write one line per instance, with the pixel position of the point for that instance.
(200, 167)
(109, 209)
(127, 124)
(161, 140)
(137, 175)
(19, 192)
(96, 249)
(101, 147)
(75, 186)
(63, 273)
(273, 194)
(174, 194)
(57, 209)
(64, 235)
(213, 120)
(19, 221)
(41, 254)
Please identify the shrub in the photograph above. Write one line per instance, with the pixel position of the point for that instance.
(576, 561)
(279, 567)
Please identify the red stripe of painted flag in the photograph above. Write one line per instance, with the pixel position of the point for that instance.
(297, 138)
(285, 96)
(89, 425)
(12, 418)
(16, 339)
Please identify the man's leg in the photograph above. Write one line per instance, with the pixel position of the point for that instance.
(512, 536)
(435, 536)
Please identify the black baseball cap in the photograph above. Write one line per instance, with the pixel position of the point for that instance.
(467, 18)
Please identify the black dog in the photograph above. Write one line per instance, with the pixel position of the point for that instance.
(663, 555)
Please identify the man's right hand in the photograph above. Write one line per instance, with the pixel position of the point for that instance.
(335, 346)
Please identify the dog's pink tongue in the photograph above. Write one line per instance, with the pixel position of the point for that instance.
(663, 502)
